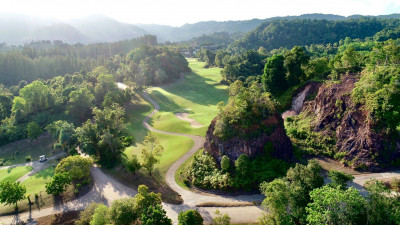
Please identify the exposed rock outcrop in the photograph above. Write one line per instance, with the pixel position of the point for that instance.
(336, 115)
(253, 146)
(300, 96)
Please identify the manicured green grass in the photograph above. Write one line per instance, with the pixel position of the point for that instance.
(37, 182)
(13, 174)
(198, 94)
(15, 153)
(174, 146)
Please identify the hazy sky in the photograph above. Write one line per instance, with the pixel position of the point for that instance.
(179, 12)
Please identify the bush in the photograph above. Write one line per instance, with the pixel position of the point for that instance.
(77, 166)
(101, 216)
(339, 179)
(28, 158)
(122, 211)
(190, 217)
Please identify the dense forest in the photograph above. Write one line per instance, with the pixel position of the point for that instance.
(71, 84)
(288, 33)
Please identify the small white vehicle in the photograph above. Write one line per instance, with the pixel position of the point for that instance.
(42, 158)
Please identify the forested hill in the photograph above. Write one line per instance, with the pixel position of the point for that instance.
(20, 29)
(288, 33)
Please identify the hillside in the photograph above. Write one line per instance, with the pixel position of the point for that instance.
(289, 33)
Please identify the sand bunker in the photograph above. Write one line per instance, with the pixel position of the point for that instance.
(184, 116)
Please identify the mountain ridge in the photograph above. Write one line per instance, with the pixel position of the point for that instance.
(18, 29)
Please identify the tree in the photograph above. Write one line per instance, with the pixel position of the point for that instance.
(151, 150)
(190, 217)
(302, 180)
(277, 202)
(5, 105)
(144, 199)
(225, 164)
(155, 215)
(34, 130)
(58, 183)
(383, 205)
(221, 219)
(336, 206)
(11, 193)
(132, 164)
(287, 198)
(86, 215)
(339, 179)
(294, 60)
(78, 167)
(243, 171)
(64, 132)
(35, 97)
(122, 211)
(80, 103)
(274, 79)
(101, 216)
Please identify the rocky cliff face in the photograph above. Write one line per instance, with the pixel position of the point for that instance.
(336, 115)
(234, 147)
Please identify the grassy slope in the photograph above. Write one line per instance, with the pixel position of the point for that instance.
(198, 94)
(15, 153)
(13, 174)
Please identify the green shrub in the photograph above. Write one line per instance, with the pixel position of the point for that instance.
(190, 217)
(28, 158)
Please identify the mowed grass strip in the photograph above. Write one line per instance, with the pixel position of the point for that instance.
(16, 152)
(14, 173)
(198, 94)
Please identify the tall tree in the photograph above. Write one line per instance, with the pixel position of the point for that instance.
(80, 103)
(274, 79)
(34, 130)
(294, 60)
(150, 152)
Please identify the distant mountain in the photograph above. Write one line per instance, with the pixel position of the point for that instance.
(188, 31)
(60, 31)
(104, 29)
(19, 29)
(14, 28)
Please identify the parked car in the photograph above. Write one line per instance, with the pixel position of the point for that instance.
(42, 158)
